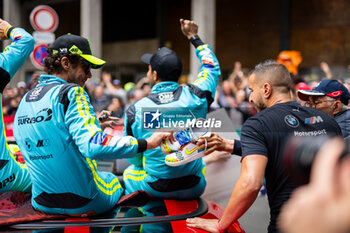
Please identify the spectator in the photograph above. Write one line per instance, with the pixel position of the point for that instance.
(90, 87)
(22, 88)
(303, 87)
(13, 57)
(141, 82)
(325, 68)
(237, 79)
(226, 98)
(113, 87)
(243, 106)
(116, 107)
(12, 107)
(331, 97)
(100, 101)
(347, 84)
(34, 80)
(263, 139)
(146, 88)
(138, 94)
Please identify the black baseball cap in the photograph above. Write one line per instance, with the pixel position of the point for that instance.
(76, 45)
(327, 87)
(166, 62)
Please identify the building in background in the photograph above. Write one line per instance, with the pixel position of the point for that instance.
(246, 31)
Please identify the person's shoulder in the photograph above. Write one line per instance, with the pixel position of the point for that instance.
(343, 116)
(72, 88)
(280, 108)
(253, 121)
(346, 112)
(141, 102)
(130, 110)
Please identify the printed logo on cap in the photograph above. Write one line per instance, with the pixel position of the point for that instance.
(335, 94)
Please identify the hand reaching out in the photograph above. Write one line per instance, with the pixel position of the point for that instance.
(106, 120)
(215, 143)
(156, 138)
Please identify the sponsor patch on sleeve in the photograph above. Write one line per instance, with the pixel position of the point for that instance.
(16, 34)
(207, 58)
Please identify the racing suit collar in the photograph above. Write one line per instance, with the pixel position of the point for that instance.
(48, 79)
(165, 86)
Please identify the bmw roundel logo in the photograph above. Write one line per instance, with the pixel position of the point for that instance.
(291, 121)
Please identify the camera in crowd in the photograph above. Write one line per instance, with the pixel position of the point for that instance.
(300, 153)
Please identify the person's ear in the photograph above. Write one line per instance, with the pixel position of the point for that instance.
(267, 90)
(65, 63)
(155, 76)
(337, 107)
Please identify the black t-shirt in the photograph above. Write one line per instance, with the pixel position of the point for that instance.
(267, 133)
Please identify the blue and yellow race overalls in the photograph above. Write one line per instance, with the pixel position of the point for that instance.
(148, 171)
(13, 175)
(60, 138)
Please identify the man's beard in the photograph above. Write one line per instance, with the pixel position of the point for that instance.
(260, 106)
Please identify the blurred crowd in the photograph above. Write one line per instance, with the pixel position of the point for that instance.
(12, 95)
(232, 94)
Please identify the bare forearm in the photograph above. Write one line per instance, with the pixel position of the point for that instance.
(242, 198)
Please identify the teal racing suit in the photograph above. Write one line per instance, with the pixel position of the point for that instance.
(13, 174)
(148, 171)
(60, 138)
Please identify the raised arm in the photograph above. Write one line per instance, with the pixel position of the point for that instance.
(14, 55)
(209, 74)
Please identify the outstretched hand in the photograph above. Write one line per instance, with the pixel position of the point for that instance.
(189, 28)
(106, 120)
(157, 137)
(215, 143)
(4, 26)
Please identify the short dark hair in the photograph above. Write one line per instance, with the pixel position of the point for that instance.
(52, 63)
(274, 73)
